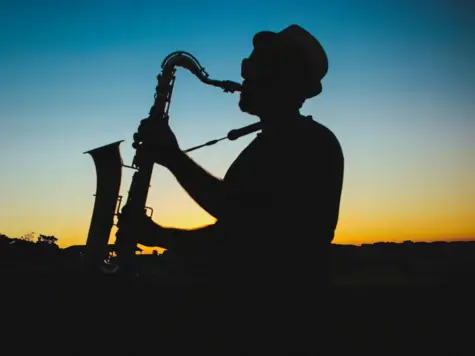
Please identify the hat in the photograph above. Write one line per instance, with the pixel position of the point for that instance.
(306, 51)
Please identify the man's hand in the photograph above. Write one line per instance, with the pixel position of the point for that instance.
(155, 139)
(140, 227)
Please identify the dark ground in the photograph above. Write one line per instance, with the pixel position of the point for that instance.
(377, 319)
(388, 299)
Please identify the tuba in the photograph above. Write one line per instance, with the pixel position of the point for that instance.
(108, 163)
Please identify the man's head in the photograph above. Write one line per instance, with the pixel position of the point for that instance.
(283, 70)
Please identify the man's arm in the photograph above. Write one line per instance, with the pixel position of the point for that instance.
(203, 187)
(182, 240)
(156, 140)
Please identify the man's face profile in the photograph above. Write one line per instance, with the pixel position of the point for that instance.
(260, 74)
(268, 80)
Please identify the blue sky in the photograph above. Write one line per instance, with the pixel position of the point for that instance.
(399, 95)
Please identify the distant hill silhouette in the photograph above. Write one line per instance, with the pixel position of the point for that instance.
(407, 262)
(417, 263)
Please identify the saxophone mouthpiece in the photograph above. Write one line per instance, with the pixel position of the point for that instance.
(230, 86)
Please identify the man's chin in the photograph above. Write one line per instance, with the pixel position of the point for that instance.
(245, 106)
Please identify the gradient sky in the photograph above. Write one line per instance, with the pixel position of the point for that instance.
(399, 94)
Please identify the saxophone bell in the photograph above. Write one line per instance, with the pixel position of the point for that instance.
(108, 163)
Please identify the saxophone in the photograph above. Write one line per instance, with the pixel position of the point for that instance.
(109, 165)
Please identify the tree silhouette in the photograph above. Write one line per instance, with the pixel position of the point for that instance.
(4, 242)
(50, 240)
(28, 237)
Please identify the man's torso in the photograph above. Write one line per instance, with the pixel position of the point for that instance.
(268, 169)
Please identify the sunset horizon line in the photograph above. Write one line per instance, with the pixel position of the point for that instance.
(356, 242)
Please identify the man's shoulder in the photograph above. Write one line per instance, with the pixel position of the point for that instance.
(315, 133)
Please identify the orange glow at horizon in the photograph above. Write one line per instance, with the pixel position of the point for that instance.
(371, 209)
(355, 227)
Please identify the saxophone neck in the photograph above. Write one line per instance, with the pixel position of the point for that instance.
(227, 85)
(188, 61)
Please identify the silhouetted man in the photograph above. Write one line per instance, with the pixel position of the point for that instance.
(278, 204)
